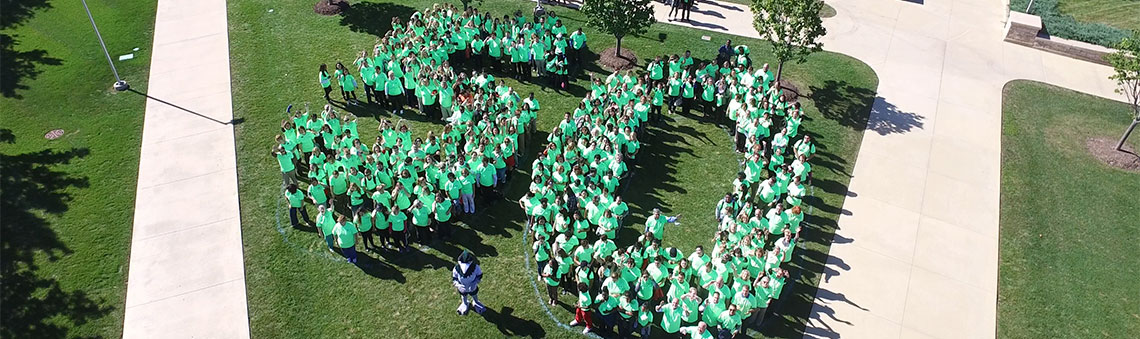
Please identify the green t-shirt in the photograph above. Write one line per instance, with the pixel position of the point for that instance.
(421, 216)
(397, 221)
(296, 198)
(443, 210)
(317, 192)
(729, 321)
(345, 234)
(671, 318)
(285, 160)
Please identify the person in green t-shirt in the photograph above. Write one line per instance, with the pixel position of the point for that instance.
(671, 314)
(325, 81)
(421, 218)
(582, 313)
(441, 210)
(700, 331)
(325, 224)
(318, 193)
(644, 320)
(627, 309)
(398, 222)
(729, 323)
(285, 160)
(347, 84)
(345, 233)
(296, 203)
(549, 275)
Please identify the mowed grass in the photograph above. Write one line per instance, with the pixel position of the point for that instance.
(67, 203)
(1123, 14)
(297, 289)
(1069, 223)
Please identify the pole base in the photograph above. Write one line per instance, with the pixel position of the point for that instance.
(121, 85)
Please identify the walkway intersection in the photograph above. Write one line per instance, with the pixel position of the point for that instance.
(916, 253)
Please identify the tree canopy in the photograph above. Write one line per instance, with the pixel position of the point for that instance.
(793, 27)
(619, 17)
(1126, 62)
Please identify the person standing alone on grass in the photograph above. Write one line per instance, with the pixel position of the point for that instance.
(325, 81)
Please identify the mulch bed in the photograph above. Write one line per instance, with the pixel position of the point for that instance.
(627, 60)
(330, 7)
(791, 91)
(1105, 150)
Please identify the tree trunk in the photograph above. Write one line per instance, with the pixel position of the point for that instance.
(617, 51)
(1127, 132)
(779, 73)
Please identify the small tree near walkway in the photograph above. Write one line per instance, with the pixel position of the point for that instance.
(619, 17)
(1126, 61)
(793, 27)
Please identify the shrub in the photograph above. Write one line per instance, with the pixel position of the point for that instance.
(1065, 26)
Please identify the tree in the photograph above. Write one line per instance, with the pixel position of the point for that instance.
(1126, 61)
(619, 17)
(793, 27)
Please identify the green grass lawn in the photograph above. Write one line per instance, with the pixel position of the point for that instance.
(1069, 223)
(1123, 14)
(297, 289)
(67, 203)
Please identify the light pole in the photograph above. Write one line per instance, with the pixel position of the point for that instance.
(120, 84)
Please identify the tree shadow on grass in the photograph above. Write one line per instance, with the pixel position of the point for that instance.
(19, 66)
(374, 18)
(37, 306)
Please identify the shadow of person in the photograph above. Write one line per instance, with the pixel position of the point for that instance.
(378, 269)
(512, 326)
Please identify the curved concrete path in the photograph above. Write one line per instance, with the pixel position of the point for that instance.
(186, 277)
(917, 256)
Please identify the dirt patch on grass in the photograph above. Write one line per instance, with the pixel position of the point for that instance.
(626, 60)
(1104, 149)
(330, 7)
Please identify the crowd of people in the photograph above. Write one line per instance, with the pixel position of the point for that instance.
(410, 66)
(402, 188)
(399, 188)
(575, 212)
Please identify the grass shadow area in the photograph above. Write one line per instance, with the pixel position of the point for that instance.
(373, 18)
(68, 200)
(35, 304)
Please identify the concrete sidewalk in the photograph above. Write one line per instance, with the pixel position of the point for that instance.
(187, 278)
(917, 254)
